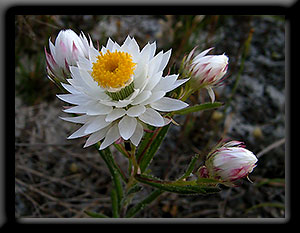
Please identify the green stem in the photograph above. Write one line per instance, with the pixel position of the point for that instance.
(115, 172)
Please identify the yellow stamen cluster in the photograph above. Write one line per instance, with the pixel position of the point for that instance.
(113, 70)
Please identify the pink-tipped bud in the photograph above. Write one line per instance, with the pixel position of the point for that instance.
(230, 162)
(205, 71)
(66, 50)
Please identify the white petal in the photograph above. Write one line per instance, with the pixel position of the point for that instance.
(143, 96)
(96, 124)
(78, 119)
(96, 137)
(77, 109)
(137, 135)
(154, 63)
(84, 63)
(167, 104)
(118, 104)
(146, 54)
(135, 111)
(98, 109)
(152, 117)
(70, 88)
(111, 136)
(115, 114)
(165, 60)
(166, 82)
(74, 98)
(79, 133)
(140, 76)
(176, 84)
(153, 81)
(127, 127)
(110, 44)
(202, 54)
(154, 97)
(211, 94)
(134, 50)
(93, 54)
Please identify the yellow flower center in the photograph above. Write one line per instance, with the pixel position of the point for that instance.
(113, 70)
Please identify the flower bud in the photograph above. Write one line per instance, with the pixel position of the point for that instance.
(66, 51)
(205, 71)
(230, 162)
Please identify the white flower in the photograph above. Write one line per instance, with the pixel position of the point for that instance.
(206, 71)
(118, 90)
(230, 162)
(66, 51)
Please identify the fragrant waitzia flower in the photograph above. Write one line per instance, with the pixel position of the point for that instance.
(66, 51)
(229, 162)
(118, 90)
(206, 71)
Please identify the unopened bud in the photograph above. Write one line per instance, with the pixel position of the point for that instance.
(230, 162)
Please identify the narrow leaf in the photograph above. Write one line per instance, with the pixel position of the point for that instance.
(181, 187)
(190, 167)
(146, 156)
(95, 215)
(141, 205)
(198, 107)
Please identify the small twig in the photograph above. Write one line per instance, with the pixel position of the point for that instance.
(48, 196)
(53, 179)
(271, 147)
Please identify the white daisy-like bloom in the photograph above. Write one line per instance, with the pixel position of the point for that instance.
(118, 91)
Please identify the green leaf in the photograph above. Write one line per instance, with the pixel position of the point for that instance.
(95, 215)
(141, 205)
(198, 107)
(153, 142)
(181, 187)
(190, 167)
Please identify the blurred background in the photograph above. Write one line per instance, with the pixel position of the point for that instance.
(57, 178)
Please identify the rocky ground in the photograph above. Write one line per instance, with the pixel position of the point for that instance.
(56, 177)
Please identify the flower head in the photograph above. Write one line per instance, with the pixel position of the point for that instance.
(206, 71)
(66, 51)
(230, 162)
(118, 91)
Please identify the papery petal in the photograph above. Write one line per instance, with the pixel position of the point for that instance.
(141, 97)
(78, 119)
(153, 81)
(167, 104)
(74, 98)
(137, 135)
(165, 60)
(136, 110)
(115, 114)
(79, 133)
(96, 124)
(211, 94)
(152, 117)
(154, 97)
(98, 109)
(96, 137)
(176, 84)
(127, 127)
(70, 88)
(111, 136)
